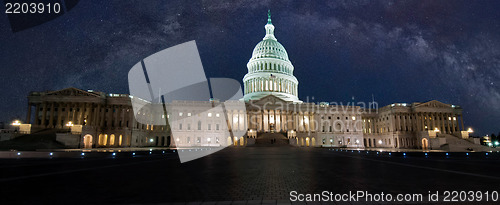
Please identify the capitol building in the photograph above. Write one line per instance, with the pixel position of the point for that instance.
(269, 113)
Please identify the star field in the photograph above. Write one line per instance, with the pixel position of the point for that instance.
(397, 51)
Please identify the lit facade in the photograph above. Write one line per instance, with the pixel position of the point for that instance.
(272, 110)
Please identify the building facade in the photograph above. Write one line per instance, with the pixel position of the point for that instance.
(272, 110)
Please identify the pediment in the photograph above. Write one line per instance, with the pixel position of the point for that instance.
(270, 99)
(72, 92)
(434, 104)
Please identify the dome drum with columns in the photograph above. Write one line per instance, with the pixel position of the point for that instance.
(270, 72)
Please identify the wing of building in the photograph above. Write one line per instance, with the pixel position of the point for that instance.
(274, 115)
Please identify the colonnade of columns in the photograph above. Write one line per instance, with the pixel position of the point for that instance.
(271, 85)
(279, 120)
(444, 122)
(421, 121)
(58, 114)
(266, 66)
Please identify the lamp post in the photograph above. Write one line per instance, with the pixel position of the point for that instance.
(470, 130)
(69, 125)
(16, 123)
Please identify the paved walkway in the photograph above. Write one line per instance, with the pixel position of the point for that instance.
(251, 175)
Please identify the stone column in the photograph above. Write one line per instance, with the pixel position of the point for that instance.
(68, 113)
(428, 116)
(443, 128)
(422, 118)
(397, 122)
(37, 112)
(448, 120)
(86, 115)
(434, 125)
(103, 116)
(28, 115)
(44, 113)
(462, 122)
(97, 115)
(51, 117)
(124, 121)
(262, 120)
(118, 121)
(59, 114)
(73, 107)
(270, 114)
(303, 121)
(453, 121)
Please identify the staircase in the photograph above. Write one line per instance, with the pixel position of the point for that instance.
(456, 144)
(265, 140)
(42, 139)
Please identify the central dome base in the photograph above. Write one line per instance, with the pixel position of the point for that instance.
(284, 96)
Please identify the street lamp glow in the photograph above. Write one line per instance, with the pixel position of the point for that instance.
(151, 140)
(69, 124)
(436, 129)
(470, 130)
(496, 143)
(380, 141)
(16, 123)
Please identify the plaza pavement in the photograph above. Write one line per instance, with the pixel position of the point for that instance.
(235, 175)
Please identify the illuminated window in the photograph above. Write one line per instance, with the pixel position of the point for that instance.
(112, 140)
(353, 117)
(209, 114)
(180, 114)
(189, 114)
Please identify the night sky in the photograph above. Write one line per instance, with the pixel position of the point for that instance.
(399, 51)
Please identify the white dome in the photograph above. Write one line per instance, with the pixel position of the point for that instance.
(270, 72)
(269, 48)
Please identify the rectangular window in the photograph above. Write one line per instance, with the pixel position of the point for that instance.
(189, 126)
(180, 126)
(209, 126)
(217, 127)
